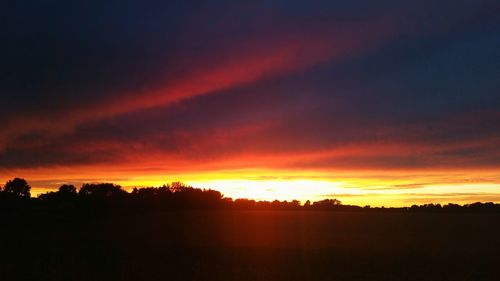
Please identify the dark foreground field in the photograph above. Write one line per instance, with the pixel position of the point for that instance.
(251, 245)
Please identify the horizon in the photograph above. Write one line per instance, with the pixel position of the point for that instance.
(302, 196)
(391, 103)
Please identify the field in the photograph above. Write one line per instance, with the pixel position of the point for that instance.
(251, 245)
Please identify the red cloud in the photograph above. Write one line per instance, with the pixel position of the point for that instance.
(237, 63)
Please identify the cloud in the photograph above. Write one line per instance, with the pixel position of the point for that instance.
(295, 86)
(83, 71)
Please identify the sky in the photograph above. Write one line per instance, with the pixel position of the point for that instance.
(390, 102)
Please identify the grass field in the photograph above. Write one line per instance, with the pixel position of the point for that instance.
(251, 245)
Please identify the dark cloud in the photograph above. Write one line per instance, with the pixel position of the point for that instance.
(88, 82)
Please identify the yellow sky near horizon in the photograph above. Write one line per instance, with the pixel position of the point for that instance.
(375, 188)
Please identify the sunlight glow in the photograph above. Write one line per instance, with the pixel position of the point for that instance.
(400, 188)
(270, 190)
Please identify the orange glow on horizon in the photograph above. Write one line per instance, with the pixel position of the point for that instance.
(375, 188)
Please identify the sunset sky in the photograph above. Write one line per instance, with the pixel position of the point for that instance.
(376, 103)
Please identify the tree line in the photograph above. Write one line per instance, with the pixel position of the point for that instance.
(15, 194)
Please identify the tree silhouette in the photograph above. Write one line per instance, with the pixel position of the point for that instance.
(67, 189)
(101, 191)
(327, 204)
(177, 186)
(179, 196)
(18, 187)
